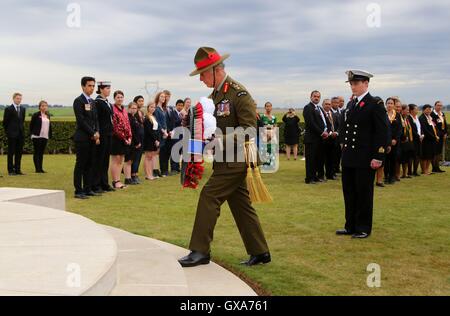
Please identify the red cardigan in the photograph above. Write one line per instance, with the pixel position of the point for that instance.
(121, 124)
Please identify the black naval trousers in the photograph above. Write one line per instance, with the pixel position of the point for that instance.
(358, 185)
(100, 167)
(230, 187)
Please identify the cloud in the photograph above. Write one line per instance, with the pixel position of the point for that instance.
(280, 50)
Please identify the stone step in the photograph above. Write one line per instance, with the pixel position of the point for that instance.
(46, 251)
(148, 266)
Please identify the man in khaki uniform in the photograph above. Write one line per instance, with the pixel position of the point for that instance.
(234, 108)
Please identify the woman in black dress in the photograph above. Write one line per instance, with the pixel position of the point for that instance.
(139, 100)
(414, 122)
(430, 139)
(395, 125)
(136, 143)
(291, 133)
(406, 143)
(151, 141)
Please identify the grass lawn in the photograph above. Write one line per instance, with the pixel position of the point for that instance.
(410, 239)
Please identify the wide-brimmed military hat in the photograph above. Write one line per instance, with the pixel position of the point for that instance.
(207, 58)
(358, 75)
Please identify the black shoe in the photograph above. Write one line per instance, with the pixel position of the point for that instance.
(360, 235)
(259, 259)
(99, 191)
(81, 196)
(92, 193)
(332, 178)
(320, 180)
(19, 173)
(194, 259)
(108, 189)
(439, 171)
(380, 184)
(343, 232)
(129, 182)
(416, 175)
(310, 182)
(135, 180)
(12, 174)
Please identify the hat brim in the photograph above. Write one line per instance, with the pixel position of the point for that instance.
(199, 71)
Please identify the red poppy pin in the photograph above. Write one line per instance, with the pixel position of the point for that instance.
(362, 104)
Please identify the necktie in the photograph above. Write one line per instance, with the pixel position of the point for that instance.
(331, 121)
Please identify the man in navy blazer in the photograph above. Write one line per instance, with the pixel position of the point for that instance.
(86, 137)
(315, 131)
(13, 120)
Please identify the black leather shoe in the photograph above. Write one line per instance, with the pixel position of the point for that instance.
(12, 174)
(380, 184)
(108, 189)
(81, 196)
(310, 182)
(194, 259)
(92, 193)
(343, 232)
(259, 259)
(360, 235)
(20, 173)
(99, 191)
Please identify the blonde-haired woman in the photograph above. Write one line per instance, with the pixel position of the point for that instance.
(151, 141)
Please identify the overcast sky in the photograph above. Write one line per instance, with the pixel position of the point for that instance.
(280, 50)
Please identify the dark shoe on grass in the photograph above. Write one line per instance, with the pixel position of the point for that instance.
(259, 259)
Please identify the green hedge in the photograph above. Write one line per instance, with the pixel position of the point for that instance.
(61, 143)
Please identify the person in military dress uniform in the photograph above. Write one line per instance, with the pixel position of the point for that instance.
(102, 152)
(363, 137)
(234, 108)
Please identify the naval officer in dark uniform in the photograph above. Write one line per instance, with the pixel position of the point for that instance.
(363, 137)
(105, 115)
(234, 108)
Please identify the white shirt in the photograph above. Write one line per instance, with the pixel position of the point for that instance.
(362, 96)
(87, 97)
(417, 122)
(16, 106)
(320, 109)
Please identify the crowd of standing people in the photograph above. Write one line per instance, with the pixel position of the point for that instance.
(115, 137)
(414, 139)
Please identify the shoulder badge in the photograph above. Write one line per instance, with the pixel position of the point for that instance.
(241, 94)
(226, 87)
(381, 150)
(236, 86)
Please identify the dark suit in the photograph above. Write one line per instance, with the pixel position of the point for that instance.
(314, 128)
(328, 148)
(337, 153)
(395, 128)
(87, 125)
(173, 122)
(363, 135)
(14, 130)
(100, 166)
(441, 130)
